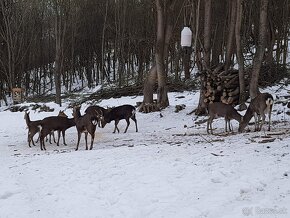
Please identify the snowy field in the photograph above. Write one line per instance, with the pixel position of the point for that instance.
(170, 168)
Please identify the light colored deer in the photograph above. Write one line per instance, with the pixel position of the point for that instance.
(219, 109)
(259, 106)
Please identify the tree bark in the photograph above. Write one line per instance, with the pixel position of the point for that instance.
(201, 109)
(231, 34)
(240, 56)
(260, 49)
(164, 33)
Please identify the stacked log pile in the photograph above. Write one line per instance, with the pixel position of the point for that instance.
(222, 86)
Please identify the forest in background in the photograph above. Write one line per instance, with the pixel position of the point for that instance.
(49, 44)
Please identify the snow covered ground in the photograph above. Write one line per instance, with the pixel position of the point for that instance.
(170, 168)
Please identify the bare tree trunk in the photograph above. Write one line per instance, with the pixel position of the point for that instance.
(260, 50)
(58, 52)
(207, 33)
(201, 109)
(164, 33)
(240, 56)
(162, 98)
(231, 34)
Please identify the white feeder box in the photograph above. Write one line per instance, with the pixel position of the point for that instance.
(186, 37)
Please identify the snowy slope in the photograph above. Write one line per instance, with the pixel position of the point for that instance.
(170, 168)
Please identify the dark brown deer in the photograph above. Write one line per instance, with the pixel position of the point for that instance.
(93, 110)
(219, 109)
(84, 124)
(259, 106)
(54, 123)
(61, 114)
(119, 113)
(33, 128)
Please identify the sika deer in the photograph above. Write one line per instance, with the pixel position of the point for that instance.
(219, 109)
(258, 107)
(54, 123)
(93, 110)
(32, 126)
(118, 113)
(87, 124)
(61, 114)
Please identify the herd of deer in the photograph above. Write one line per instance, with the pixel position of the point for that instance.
(259, 107)
(84, 123)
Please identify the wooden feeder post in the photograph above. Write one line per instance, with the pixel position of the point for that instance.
(17, 95)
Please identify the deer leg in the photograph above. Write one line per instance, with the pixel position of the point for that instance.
(54, 137)
(79, 138)
(86, 139)
(49, 138)
(209, 125)
(256, 121)
(28, 139)
(92, 140)
(226, 126)
(31, 135)
(63, 137)
(58, 137)
(116, 127)
(269, 120)
(42, 136)
(230, 128)
(134, 119)
(51, 134)
(41, 139)
(128, 123)
(263, 121)
(260, 123)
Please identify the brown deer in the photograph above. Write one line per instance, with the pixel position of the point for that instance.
(219, 109)
(93, 110)
(33, 128)
(119, 113)
(259, 106)
(54, 123)
(61, 114)
(84, 124)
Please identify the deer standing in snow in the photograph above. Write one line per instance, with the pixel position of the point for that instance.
(84, 124)
(219, 109)
(259, 107)
(93, 110)
(54, 123)
(32, 126)
(126, 112)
